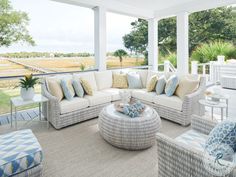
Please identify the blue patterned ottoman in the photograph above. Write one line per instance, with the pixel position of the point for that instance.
(20, 154)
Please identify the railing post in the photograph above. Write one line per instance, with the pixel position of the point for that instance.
(166, 66)
(194, 67)
(204, 69)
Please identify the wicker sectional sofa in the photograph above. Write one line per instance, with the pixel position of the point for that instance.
(64, 113)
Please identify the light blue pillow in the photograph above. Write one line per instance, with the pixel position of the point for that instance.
(161, 83)
(67, 89)
(171, 85)
(223, 133)
(134, 81)
(79, 91)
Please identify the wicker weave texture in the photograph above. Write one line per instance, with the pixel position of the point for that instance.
(129, 133)
(178, 160)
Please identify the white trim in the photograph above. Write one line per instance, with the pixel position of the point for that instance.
(153, 43)
(100, 41)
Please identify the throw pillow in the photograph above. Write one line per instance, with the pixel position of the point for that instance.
(79, 91)
(134, 81)
(223, 133)
(161, 83)
(171, 85)
(152, 83)
(87, 87)
(120, 81)
(186, 86)
(54, 88)
(68, 89)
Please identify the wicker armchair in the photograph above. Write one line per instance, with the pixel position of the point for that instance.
(178, 160)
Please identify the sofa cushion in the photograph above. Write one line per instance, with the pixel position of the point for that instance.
(54, 88)
(98, 98)
(87, 87)
(114, 92)
(149, 76)
(79, 90)
(160, 86)
(134, 80)
(194, 139)
(152, 83)
(173, 102)
(143, 76)
(186, 86)
(120, 81)
(89, 76)
(171, 85)
(103, 79)
(20, 151)
(67, 88)
(143, 94)
(75, 104)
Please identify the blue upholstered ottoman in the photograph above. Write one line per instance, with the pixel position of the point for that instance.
(20, 154)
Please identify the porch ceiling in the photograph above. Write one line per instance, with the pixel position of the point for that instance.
(151, 8)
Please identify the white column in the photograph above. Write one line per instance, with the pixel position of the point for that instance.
(153, 44)
(100, 38)
(182, 43)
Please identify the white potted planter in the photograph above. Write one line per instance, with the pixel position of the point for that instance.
(27, 94)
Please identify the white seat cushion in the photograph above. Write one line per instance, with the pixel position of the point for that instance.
(143, 94)
(194, 139)
(98, 98)
(88, 76)
(75, 104)
(173, 102)
(103, 79)
(114, 92)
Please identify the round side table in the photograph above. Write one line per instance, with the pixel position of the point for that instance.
(212, 105)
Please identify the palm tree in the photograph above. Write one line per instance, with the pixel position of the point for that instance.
(120, 53)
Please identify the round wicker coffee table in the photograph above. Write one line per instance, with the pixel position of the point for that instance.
(129, 133)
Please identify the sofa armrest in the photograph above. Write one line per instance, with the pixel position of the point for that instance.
(175, 159)
(190, 101)
(53, 106)
(202, 125)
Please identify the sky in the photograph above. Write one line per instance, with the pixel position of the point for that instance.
(58, 27)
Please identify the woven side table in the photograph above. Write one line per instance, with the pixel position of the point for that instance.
(129, 133)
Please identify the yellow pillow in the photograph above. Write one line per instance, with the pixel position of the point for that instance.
(120, 81)
(186, 86)
(87, 87)
(54, 88)
(152, 83)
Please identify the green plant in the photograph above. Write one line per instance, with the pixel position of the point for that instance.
(120, 53)
(82, 67)
(209, 51)
(28, 82)
(172, 57)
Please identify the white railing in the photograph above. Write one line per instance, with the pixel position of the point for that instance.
(213, 70)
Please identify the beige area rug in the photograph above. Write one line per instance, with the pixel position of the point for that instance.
(80, 151)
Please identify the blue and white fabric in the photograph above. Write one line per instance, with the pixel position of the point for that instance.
(134, 81)
(161, 83)
(194, 139)
(79, 91)
(223, 133)
(19, 151)
(68, 89)
(171, 85)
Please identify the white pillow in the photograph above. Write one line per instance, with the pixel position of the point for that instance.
(88, 76)
(103, 79)
(143, 76)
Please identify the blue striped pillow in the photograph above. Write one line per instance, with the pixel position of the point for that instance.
(79, 91)
(67, 89)
(161, 83)
(171, 85)
(134, 81)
